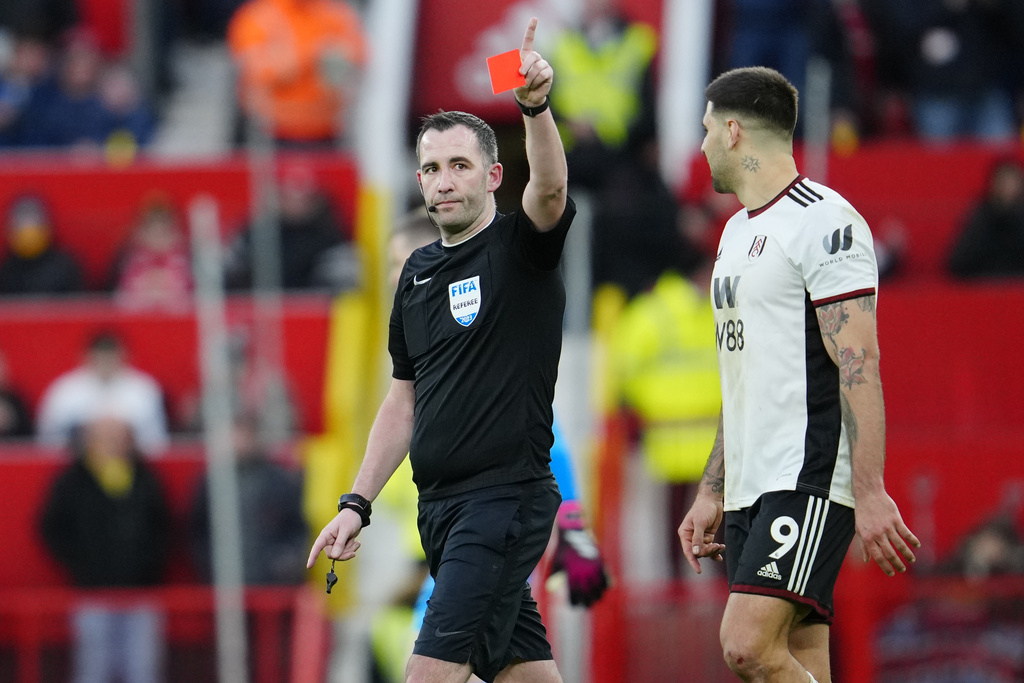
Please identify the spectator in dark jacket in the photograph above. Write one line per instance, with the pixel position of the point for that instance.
(274, 531)
(106, 521)
(33, 264)
(15, 419)
(314, 250)
(991, 243)
(72, 115)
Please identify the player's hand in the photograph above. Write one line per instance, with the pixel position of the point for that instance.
(535, 69)
(884, 537)
(697, 532)
(338, 538)
(578, 556)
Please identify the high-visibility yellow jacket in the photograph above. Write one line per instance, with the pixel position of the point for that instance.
(666, 370)
(602, 85)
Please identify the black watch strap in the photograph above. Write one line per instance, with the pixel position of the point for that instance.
(354, 501)
(533, 111)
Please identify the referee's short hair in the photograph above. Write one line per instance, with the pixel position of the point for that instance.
(758, 93)
(445, 120)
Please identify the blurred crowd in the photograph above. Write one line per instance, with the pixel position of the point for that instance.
(64, 93)
(936, 71)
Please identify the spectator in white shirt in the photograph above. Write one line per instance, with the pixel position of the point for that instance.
(104, 386)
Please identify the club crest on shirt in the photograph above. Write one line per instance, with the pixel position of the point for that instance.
(464, 300)
(757, 247)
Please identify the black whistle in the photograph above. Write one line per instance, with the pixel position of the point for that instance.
(332, 578)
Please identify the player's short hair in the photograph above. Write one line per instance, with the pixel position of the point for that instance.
(446, 120)
(758, 93)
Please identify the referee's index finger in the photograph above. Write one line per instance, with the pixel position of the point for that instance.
(531, 31)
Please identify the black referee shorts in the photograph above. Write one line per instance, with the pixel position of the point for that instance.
(482, 547)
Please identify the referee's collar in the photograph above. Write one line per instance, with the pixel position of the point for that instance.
(458, 244)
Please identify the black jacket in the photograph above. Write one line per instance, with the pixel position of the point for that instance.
(103, 540)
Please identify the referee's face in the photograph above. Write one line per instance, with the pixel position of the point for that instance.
(457, 186)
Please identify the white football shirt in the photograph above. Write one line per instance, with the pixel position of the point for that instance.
(782, 423)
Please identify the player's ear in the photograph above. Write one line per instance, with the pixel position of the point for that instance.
(419, 181)
(733, 128)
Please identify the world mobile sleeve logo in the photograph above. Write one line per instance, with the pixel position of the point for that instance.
(833, 245)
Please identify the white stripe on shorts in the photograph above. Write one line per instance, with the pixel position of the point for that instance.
(807, 546)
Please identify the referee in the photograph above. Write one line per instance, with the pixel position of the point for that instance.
(475, 337)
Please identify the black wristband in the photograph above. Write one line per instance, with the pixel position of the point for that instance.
(533, 111)
(354, 501)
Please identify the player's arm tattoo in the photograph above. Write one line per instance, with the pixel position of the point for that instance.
(752, 164)
(714, 470)
(867, 303)
(849, 419)
(851, 367)
(831, 318)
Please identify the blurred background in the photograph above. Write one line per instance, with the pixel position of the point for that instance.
(197, 200)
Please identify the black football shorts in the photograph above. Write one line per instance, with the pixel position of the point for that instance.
(482, 547)
(789, 545)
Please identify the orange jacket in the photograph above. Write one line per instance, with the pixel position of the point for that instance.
(288, 53)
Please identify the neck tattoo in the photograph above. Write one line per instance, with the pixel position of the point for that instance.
(752, 164)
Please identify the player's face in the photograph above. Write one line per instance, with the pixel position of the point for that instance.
(454, 179)
(715, 152)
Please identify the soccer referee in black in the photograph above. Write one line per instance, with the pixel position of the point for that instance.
(475, 337)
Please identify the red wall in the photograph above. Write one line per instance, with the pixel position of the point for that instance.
(954, 402)
(111, 21)
(925, 190)
(43, 339)
(94, 207)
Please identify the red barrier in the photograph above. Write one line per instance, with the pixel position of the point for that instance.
(95, 207)
(42, 339)
(281, 622)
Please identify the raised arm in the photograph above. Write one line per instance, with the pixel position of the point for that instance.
(387, 446)
(545, 194)
(849, 331)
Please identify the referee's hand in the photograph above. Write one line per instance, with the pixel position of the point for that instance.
(535, 69)
(338, 538)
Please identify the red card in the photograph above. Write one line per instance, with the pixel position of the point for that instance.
(504, 70)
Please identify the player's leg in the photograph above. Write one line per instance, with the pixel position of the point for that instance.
(809, 644)
(755, 639)
(423, 669)
(543, 671)
(785, 552)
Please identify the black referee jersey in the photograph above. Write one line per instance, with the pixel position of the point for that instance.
(478, 328)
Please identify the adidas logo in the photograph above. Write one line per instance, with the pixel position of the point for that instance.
(770, 571)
